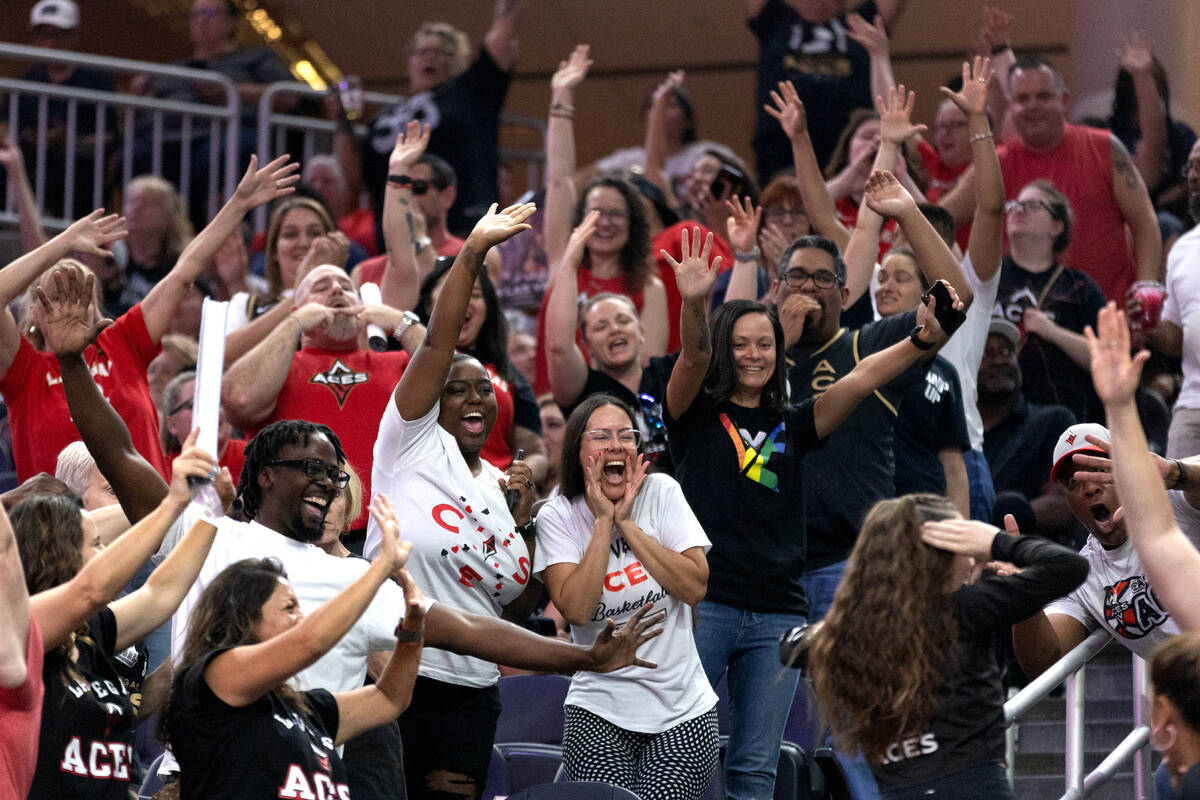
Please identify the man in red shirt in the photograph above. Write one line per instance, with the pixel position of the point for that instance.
(1091, 167)
(311, 367)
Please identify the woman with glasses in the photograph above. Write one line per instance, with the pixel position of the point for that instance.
(177, 422)
(1052, 304)
(471, 543)
(739, 449)
(614, 540)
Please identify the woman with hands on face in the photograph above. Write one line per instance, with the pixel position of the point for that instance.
(909, 676)
(614, 541)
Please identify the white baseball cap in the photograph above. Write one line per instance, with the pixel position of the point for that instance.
(56, 13)
(1074, 440)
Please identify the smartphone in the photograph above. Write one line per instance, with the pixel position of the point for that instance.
(729, 180)
(949, 317)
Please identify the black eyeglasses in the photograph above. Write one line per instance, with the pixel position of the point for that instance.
(315, 469)
(1027, 206)
(185, 404)
(822, 278)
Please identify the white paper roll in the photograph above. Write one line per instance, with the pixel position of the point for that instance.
(210, 364)
(377, 338)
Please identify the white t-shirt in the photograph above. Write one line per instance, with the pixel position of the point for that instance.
(238, 316)
(465, 547)
(1117, 595)
(965, 348)
(316, 577)
(634, 698)
(1182, 309)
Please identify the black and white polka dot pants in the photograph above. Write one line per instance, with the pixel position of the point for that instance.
(676, 764)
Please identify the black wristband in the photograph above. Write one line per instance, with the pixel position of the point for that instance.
(400, 180)
(1000, 48)
(408, 636)
(1181, 481)
(916, 339)
(528, 529)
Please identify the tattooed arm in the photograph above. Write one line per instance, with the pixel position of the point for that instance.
(1134, 201)
(400, 285)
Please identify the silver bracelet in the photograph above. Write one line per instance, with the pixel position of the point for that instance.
(753, 255)
(979, 137)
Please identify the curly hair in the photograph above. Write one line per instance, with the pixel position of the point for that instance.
(634, 256)
(879, 657)
(491, 343)
(265, 448)
(224, 617)
(271, 265)
(49, 532)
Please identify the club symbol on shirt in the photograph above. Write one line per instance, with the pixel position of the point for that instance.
(341, 380)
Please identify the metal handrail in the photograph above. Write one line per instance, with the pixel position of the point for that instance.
(223, 119)
(1070, 668)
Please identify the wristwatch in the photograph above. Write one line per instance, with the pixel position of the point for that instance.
(407, 320)
(421, 243)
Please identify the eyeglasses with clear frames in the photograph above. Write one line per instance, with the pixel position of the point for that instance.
(628, 437)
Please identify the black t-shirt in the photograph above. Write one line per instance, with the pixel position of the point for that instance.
(1050, 376)
(856, 466)
(931, 420)
(831, 72)
(85, 749)
(967, 728)
(269, 748)
(1019, 450)
(741, 473)
(647, 405)
(464, 113)
(525, 407)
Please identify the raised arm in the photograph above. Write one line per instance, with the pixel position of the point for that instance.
(819, 206)
(143, 610)
(887, 197)
(1129, 190)
(1149, 153)
(565, 363)
(29, 219)
(874, 39)
(987, 223)
(243, 674)
(90, 234)
(1172, 563)
(741, 229)
(68, 326)
(996, 39)
(501, 38)
(878, 369)
(695, 277)
(560, 153)
(421, 384)
(257, 186)
(14, 610)
(655, 164)
(400, 285)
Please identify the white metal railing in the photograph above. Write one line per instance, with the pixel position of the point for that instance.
(1070, 668)
(145, 124)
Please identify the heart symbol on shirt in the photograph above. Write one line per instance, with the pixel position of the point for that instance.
(454, 549)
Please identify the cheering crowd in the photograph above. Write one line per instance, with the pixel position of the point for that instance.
(895, 391)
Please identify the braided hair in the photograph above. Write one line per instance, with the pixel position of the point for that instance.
(265, 448)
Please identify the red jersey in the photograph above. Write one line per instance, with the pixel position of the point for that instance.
(359, 226)
(1081, 167)
(37, 406)
(669, 239)
(346, 390)
(847, 214)
(21, 720)
(370, 270)
(497, 450)
(941, 180)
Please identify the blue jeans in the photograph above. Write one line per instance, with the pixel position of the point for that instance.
(983, 491)
(760, 690)
(819, 586)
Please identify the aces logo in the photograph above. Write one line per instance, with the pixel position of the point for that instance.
(1131, 609)
(341, 380)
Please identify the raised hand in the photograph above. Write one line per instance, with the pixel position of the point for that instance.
(742, 224)
(694, 275)
(895, 115)
(91, 233)
(972, 99)
(570, 73)
(614, 649)
(665, 89)
(1098, 468)
(410, 146)
(192, 462)
(885, 196)
(573, 254)
(773, 244)
(68, 321)
(635, 475)
(927, 317)
(873, 38)
(10, 155)
(260, 186)
(1134, 53)
(788, 110)
(495, 228)
(1114, 374)
(997, 28)
(965, 537)
(391, 547)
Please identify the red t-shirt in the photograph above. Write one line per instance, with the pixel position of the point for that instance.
(1081, 167)
(847, 214)
(941, 180)
(497, 450)
(359, 226)
(346, 390)
(233, 457)
(588, 285)
(370, 270)
(21, 721)
(669, 239)
(37, 407)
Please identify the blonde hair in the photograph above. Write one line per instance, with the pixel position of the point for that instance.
(179, 231)
(271, 265)
(29, 300)
(453, 38)
(353, 494)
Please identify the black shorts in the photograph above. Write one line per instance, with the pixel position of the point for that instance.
(448, 728)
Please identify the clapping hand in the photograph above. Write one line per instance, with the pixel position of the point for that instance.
(275, 180)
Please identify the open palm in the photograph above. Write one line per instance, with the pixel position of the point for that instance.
(260, 186)
(694, 275)
(570, 73)
(495, 228)
(972, 99)
(1114, 373)
(895, 115)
